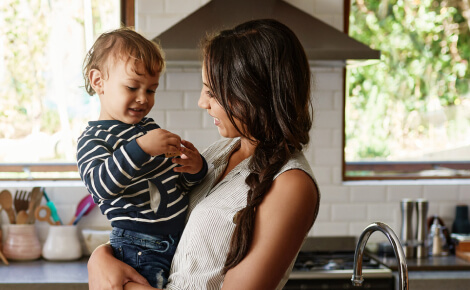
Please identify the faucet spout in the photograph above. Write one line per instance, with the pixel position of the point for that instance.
(357, 278)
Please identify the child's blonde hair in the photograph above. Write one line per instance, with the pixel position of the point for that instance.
(126, 44)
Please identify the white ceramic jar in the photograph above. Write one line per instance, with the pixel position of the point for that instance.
(62, 244)
(22, 243)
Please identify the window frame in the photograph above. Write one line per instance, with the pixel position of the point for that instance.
(127, 19)
(409, 170)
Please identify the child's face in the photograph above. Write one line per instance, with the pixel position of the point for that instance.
(127, 96)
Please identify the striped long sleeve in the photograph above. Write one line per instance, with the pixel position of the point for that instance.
(131, 187)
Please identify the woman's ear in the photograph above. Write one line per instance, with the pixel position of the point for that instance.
(96, 81)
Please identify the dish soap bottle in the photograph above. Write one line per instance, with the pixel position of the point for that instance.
(436, 240)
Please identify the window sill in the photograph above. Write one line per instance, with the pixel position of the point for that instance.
(41, 183)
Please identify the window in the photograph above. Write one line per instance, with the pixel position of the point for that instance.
(407, 115)
(44, 106)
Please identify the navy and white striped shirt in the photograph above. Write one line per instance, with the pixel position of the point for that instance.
(133, 189)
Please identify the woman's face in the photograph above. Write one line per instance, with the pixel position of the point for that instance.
(207, 101)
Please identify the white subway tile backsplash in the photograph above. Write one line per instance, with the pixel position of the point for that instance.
(327, 156)
(382, 212)
(159, 117)
(184, 119)
(169, 100)
(183, 81)
(396, 193)
(464, 194)
(440, 192)
(330, 229)
(368, 194)
(331, 194)
(202, 138)
(321, 138)
(328, 119)
(322, 174)
(190, 100)
(348, 212)
(324, 214)
(328, 81)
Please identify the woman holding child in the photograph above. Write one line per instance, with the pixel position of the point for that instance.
(251, 213)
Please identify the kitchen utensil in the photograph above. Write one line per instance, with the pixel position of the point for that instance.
(43, 214)
(51, 205)
(421, 227)
(81, 214)
(21, 218)
(6, 201)
(22, 243)
(406, 236)
(21, 201)
(35, 201)
(3, 258)
(87, 202)
(62, 244)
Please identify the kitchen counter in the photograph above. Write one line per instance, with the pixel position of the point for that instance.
(445, 263)
(41, 274)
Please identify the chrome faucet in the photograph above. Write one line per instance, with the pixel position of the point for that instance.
(397, 248)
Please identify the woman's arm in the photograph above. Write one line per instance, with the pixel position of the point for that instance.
(107, 272)
(282, 220)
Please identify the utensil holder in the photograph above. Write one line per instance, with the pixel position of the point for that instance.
(22, 243)
(62, 244)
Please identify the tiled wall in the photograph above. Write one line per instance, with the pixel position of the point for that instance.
(346, 208)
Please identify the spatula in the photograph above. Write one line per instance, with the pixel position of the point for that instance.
(83, 208)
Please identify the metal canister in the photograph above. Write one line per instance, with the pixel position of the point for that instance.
(421, 227)
(406, 236)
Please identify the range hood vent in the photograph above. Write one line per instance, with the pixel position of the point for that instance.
(321, 41)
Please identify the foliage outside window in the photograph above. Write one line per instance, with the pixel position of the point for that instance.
(44, 106)
(408, 115)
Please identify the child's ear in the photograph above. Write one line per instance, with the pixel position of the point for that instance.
(96, 81)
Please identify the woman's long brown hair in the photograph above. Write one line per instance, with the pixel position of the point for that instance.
(260, 75)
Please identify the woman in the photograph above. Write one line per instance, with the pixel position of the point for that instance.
(249, 217)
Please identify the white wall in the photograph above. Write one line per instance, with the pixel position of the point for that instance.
(346, 208)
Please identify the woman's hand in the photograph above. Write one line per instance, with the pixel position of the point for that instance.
(107, 272)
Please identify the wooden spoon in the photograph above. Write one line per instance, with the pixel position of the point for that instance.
(22, 218)
(6, 201)
(35, 201)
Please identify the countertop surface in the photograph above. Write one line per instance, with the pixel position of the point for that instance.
(42, 274)
(444, 263)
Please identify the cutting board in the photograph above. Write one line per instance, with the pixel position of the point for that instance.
(463, 255)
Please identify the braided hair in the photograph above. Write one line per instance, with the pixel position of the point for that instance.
(259, 73)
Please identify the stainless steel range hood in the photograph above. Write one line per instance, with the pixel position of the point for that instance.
(321, 41)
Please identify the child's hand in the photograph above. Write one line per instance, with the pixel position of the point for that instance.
(190, 160)
(159, 141)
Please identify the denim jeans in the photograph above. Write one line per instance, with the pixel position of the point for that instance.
(150, 255)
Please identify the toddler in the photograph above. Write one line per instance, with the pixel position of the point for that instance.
(124, 158)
